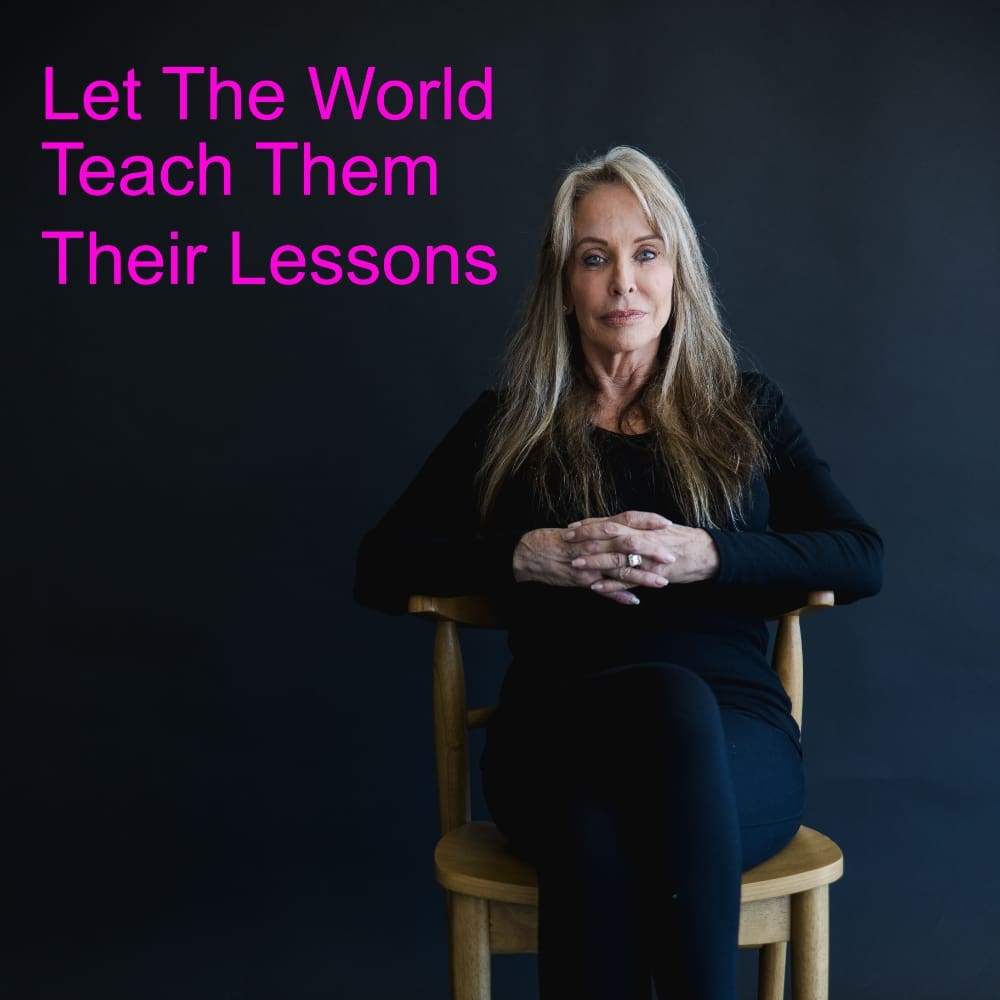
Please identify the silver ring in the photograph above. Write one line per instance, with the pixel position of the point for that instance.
(634, 559)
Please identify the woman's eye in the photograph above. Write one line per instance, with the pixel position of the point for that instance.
(647, 254)
(593, 259)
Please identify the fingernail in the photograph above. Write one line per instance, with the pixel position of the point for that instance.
(568, 536)
(632, 599)
(579, 563)
(575, 524)
(597, 586)
(661, 581)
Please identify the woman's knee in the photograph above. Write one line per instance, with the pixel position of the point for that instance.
(658, 701)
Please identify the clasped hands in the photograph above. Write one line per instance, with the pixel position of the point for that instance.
(595, 553)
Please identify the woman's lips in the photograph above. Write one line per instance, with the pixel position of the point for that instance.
(622, 317)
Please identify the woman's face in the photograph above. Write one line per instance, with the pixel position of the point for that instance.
(619, 279)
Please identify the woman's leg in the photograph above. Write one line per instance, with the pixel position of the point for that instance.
(591, 933)
(766, 768)
(682, 814)
(625, 799)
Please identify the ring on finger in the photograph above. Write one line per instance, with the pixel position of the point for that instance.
(634, 559)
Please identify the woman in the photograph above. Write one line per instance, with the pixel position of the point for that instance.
(641, 505)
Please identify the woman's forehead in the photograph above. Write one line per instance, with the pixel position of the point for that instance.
(611, 206)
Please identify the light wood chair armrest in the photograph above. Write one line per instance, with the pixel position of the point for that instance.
(787, 656)
(817, 599)
(467, 609)
(482, 612)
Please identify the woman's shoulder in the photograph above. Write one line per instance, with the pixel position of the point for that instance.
(488, 400)
(483, 408)
(763, 394)
(766, 403)
(758, 386)
(474, 422)
(479, 407)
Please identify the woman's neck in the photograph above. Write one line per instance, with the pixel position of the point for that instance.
(615, 388)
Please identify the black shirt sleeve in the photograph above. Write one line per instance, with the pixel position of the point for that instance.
(815, 538)
(431, 540)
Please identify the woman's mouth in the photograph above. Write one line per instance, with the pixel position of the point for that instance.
(622, 317)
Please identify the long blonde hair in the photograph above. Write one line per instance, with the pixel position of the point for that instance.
(707, 443)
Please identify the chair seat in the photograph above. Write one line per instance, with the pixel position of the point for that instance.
(474, 860)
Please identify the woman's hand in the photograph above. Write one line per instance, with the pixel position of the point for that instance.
(667, 552)
(542, 556)
(595, 553)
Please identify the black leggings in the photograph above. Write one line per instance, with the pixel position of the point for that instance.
(641, 802)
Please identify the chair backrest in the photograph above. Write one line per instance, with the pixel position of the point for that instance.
(453, 718)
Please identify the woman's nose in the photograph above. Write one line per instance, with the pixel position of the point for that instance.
(622, 279)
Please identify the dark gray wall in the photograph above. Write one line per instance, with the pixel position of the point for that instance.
(219, 778)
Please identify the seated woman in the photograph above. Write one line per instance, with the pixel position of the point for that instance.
(640, 505)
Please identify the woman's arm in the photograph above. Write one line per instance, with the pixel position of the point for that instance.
(811, 539)
(816, 539)
(430, 539)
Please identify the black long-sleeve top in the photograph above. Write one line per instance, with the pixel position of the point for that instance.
(798, 533)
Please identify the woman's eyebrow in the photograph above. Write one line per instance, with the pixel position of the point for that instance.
(597, 239)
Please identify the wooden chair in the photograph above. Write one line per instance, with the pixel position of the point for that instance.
(492, 897)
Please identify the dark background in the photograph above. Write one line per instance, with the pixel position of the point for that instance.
(218, 770)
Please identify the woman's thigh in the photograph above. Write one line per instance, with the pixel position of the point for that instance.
(766, 768)
(538, 757)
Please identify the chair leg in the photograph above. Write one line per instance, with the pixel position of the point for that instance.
(469, 936)
(811, 944)
(771, 971)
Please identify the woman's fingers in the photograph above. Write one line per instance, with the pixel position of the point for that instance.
(644, 520)
(611, 557)
(631, 576)
(616, 563)
(619, 591)
(599, 532)
(621, 597)
(615, 553)
(637, 549)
